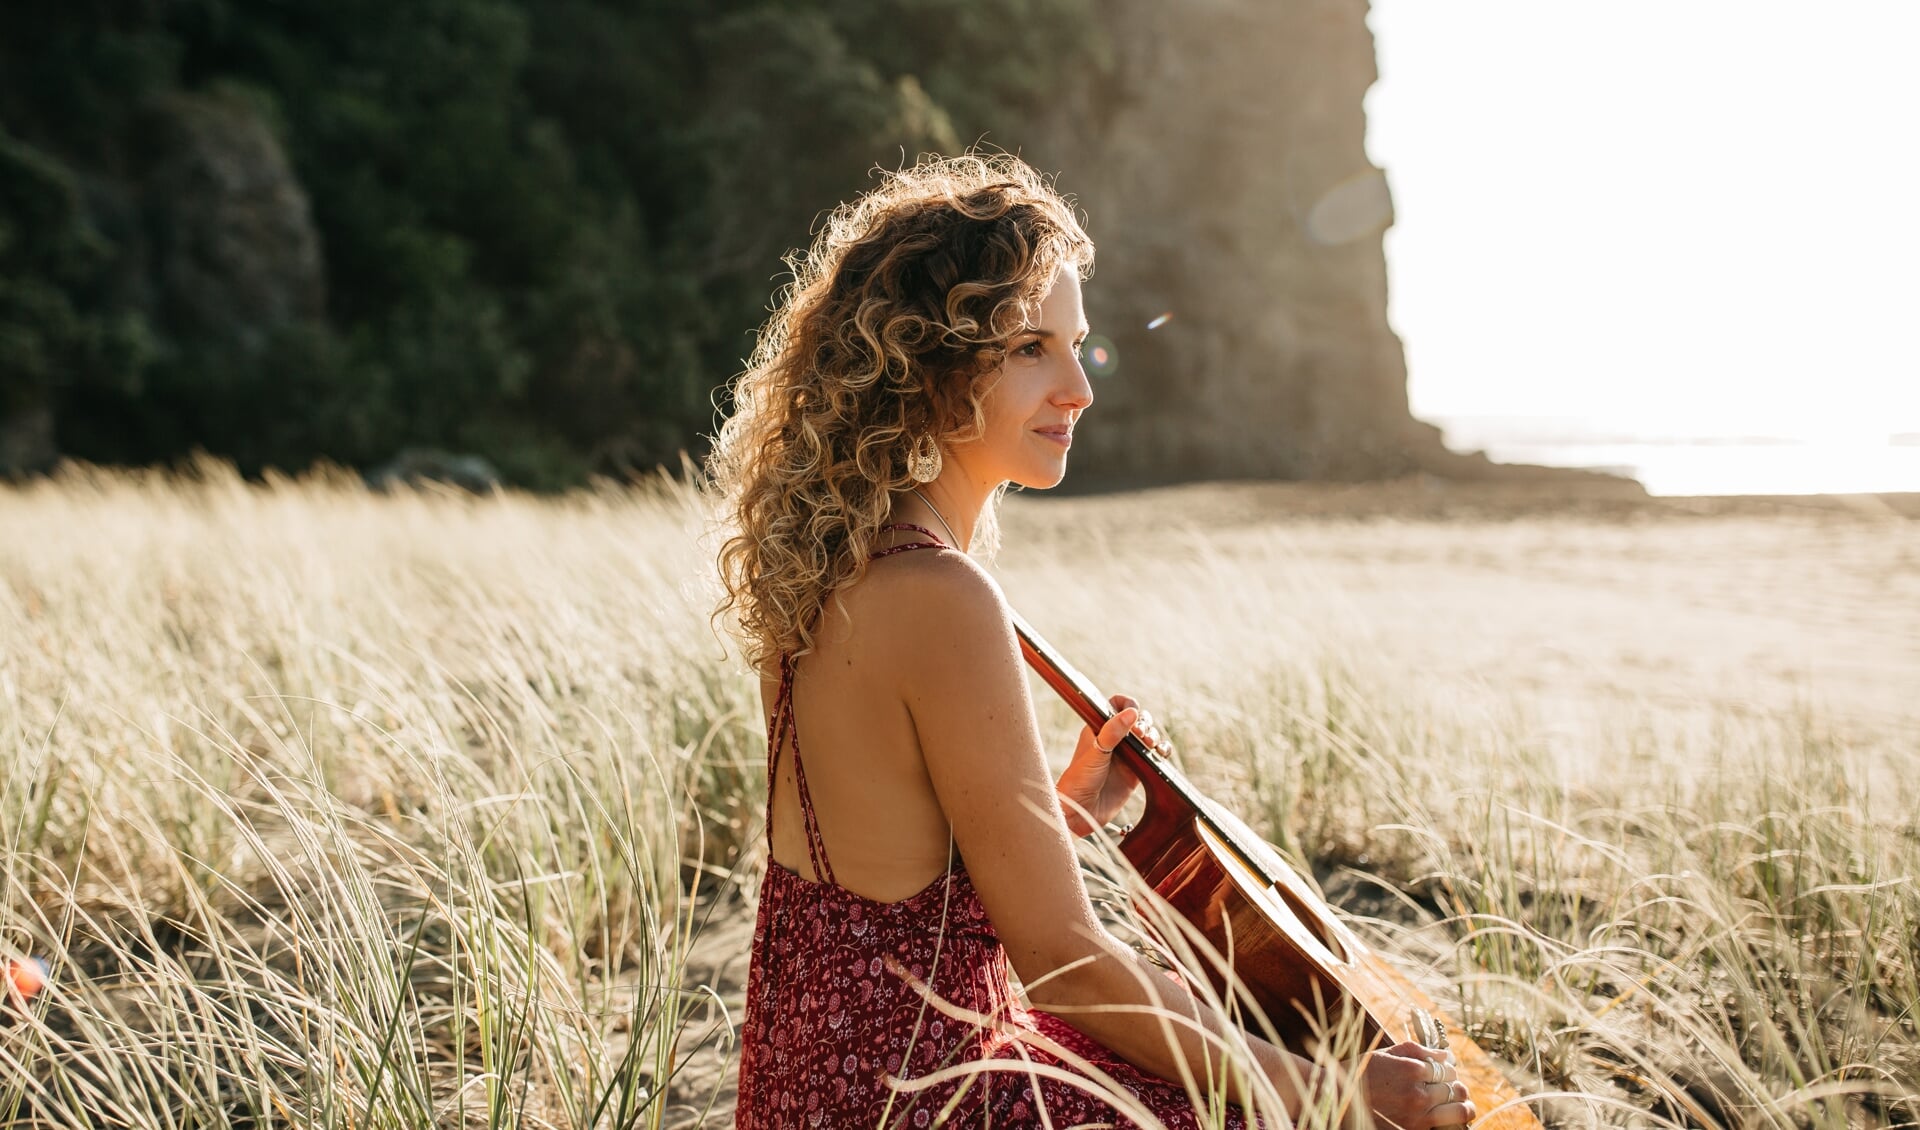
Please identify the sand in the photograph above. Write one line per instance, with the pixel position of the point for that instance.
(1578, 605)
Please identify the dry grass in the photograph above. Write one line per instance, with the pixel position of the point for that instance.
(332, 808)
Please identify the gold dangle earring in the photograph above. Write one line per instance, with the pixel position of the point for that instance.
(923, 462)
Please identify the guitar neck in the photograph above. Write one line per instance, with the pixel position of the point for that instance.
(1080, 693)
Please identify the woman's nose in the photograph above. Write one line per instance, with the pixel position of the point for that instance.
(1078, 391)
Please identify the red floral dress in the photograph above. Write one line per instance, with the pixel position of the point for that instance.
(836, 1013)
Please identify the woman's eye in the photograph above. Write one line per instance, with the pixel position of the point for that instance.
(1031, 349)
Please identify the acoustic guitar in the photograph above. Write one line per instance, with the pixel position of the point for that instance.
(1305, 969)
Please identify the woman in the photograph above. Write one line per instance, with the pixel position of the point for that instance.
(926, 357)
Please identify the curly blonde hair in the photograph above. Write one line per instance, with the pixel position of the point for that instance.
(893, 328)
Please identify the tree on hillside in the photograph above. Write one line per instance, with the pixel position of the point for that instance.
(539, 232)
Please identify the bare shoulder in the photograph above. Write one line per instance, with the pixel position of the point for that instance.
(960, 677)
(945, 614)
(934, 582)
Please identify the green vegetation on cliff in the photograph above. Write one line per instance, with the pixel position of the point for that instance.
(540, 232)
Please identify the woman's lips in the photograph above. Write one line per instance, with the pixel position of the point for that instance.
(1063, 438)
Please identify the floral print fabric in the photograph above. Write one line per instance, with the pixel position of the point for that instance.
(852, 1005)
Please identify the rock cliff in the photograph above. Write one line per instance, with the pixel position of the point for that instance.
(326, 252)
(1222, 170)
(234, 249)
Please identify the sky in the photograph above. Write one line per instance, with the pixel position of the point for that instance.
(1673, 217)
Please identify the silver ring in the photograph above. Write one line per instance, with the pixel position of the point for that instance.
(1436, 1071)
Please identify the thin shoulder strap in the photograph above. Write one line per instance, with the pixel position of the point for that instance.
(784, 727)
(936, 543)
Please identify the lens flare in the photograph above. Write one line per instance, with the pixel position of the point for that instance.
(1160, 321)
(1099, 356)
(1355, 208)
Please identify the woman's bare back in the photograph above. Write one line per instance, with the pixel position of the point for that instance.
(884, 831)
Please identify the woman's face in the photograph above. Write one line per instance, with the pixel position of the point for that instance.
(1037, 397)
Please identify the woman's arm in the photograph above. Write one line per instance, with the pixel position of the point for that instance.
(962, 683)
(961, 678)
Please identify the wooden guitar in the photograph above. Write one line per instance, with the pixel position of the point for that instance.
(1300, 964)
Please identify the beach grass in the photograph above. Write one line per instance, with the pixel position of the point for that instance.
(334, 808)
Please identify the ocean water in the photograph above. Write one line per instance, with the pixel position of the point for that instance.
(1704, 465)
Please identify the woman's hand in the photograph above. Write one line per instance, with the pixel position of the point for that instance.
(1410, 1086)
(1092, 782)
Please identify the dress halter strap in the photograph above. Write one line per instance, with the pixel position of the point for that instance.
(783, 726)
(936, 543)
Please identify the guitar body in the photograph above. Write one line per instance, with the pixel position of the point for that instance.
(1306, 971)
(1282, 961)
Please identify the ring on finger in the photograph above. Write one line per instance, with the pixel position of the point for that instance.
(1436, 1071)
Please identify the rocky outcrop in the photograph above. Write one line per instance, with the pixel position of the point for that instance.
(235, 255)
(1222, 170)
(26, 440)
(417, 465)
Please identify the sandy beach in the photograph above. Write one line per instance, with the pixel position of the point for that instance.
(1583, 604)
